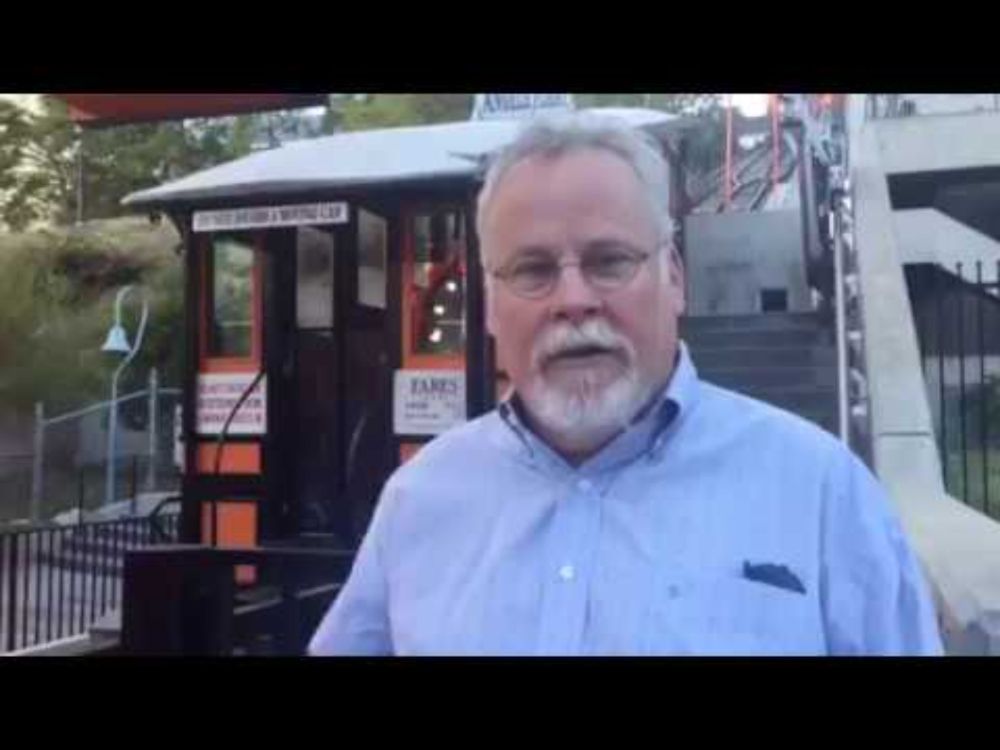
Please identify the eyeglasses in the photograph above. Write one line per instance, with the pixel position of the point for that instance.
(606, 268)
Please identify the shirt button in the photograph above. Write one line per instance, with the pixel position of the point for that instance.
(584, 485)
(566, 572)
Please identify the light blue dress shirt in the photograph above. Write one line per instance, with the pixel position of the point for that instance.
(715, 524)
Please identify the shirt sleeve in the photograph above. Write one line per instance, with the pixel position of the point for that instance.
(357, 623)
(874, 595)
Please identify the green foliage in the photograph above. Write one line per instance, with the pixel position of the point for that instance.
(704, 149)
(57, 289)
(365, 112)
(41, 169)
(24, 190)
(985, 400)
(40, 154)
(681, 104)
(57, 284)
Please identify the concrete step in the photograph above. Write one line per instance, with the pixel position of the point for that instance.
(824, 416)
(109, 626)
(737, 357)
(759, 322)
(769, 377)
(824, 423)
(817, 405)
(785, 359)
(726, 338)
(799, 400)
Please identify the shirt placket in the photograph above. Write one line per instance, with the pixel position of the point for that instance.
(567, 570)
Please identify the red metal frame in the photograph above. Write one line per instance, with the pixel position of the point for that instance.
(238, 458)
(95, 110)
(410, 324)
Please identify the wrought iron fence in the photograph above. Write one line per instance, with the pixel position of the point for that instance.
(56, 581)
(957, 314)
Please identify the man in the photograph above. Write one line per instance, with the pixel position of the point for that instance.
(615, 503)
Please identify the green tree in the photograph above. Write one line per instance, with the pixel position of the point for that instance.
(368, 111)
(14, 127)
(39, 160)
(681, 104)
(37, 156)
(57, 288)
(123, 159)
(432, 108)
(704, 144)
(371, 111)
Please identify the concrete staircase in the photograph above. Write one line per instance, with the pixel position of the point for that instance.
(786, 359)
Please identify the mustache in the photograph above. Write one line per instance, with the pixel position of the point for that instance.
(564, 338)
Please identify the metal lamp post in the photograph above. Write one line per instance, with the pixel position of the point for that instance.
(117, 343)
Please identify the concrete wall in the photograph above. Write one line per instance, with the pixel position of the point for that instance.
(948, 104)
(731, 257)
(927, 144)
(959, 547)
(925, 235)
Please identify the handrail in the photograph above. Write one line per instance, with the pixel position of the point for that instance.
(58, 579)
(105, 404)
(352, 449)
(154, 516)
(843, 406)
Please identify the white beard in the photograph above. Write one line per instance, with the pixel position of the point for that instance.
(585, 412)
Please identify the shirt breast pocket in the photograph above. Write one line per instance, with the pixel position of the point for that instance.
(727, 615)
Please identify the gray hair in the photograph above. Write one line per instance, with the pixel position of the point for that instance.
(555, 136)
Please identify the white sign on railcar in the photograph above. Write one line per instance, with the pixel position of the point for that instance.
(428, 402)
(262, 217)
(218, 394)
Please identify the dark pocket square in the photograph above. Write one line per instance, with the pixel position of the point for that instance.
(774, 575)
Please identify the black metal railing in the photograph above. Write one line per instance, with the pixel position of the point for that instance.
(192, 600)
(56, 581)
(957, 315)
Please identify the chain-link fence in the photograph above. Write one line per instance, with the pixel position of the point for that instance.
(68, 470)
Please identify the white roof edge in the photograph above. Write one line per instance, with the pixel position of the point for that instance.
(418, 161)
(149, 197)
